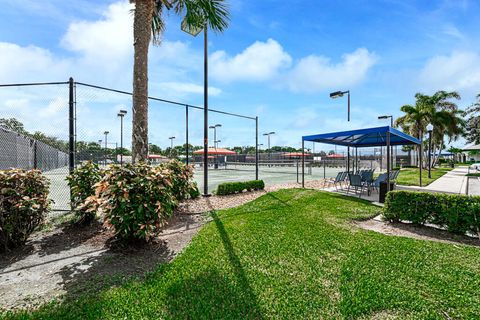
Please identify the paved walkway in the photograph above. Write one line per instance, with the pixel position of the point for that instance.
(454, 181)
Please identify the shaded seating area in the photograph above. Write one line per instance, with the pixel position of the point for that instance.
(363, 180)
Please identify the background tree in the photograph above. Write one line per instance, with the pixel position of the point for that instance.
(148, 24)
(472, 128)
(13, 124)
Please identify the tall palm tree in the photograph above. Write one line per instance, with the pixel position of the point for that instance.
(438, 110)
(148, 25)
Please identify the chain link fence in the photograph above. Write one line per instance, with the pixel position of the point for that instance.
(57, 126)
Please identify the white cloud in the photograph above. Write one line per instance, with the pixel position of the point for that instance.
(29, 64)
(453, 31)
(260, 61)
(268, 61)
(104, 40)
(458, 71)
(316, 73)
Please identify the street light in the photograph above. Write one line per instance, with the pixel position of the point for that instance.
(106, 145)
(100, 145)
(268, 134)
(215, 133)
(429, 129)
(386, 117)
(121, 114)
(171, 145)
(216, 143)
(391, 125)
(339, 94)
(194, 31)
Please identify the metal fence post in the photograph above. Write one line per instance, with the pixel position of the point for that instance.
(71, 127)
(256, 148)
(186, 132)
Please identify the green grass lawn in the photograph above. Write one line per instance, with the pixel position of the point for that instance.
(293, 254)
(409, 176)
(473, 175)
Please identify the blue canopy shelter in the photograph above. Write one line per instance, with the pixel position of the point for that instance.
(361, 138)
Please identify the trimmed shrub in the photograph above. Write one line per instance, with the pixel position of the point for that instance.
(137, 199)
(182, 185)
(457, 213)
(81, 182)
(23, 205)
(237, 187)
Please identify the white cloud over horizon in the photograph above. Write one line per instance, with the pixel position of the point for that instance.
(268, 61)
(317, 73)
(459, 71)
(258, 62)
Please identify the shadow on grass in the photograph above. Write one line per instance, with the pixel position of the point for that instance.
(215, 295)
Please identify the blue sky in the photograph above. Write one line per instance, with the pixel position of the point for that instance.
(278, 60)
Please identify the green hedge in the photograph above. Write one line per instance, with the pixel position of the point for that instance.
(23, 205)
(457, 213)
(237, 187)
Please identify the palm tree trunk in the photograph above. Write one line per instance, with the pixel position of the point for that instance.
(141, 36)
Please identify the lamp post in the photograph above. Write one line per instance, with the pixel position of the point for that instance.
(106, 145)
(339, 94)
(268, 134)
(194, 31)
(121, 114)
(429, 129)
(216, 143)
(100, 146)
(171, 145)
(218, 125)
(391, 125)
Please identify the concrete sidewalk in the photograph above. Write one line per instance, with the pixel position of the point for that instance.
(454, 181)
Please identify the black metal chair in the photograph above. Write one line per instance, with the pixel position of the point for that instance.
(355, 181)
(339, 179)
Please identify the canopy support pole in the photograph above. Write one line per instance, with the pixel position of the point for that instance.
(388, 161)
(348, 159)
(303, 163)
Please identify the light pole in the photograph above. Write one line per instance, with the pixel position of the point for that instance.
(106, 145)
(339, 94)
(121, 114)
(429, 129)
(216, 143)
(100, 146)
(171, 145)
(391, 125)
(218, 125)
(268, 134)
(194, 31)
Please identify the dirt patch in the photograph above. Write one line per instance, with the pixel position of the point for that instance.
(415, 232)
(67, 261)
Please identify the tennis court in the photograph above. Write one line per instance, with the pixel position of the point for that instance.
(59, 189)
(270, 174)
